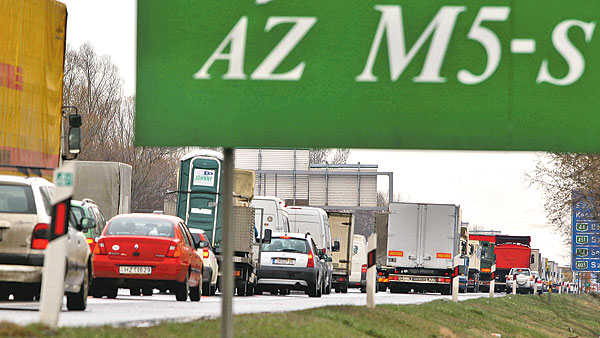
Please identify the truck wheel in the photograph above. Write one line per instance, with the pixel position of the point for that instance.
(345, 288)
(337, 289)
(206, 286)
(135, 291)
(381, 287)
(446, 290)
(363, 289)
(241, 290)
(147, 291)
(78, 301)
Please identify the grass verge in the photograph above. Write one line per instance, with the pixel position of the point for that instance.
(510, 316)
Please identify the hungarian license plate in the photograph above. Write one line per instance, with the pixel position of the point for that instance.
(135, 270)
(284, 261)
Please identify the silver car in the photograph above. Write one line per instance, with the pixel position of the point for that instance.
(524, 280)
(25, 210)
(291, 262)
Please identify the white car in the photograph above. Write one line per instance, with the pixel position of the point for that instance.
(539, 284)
(524, 280)
(25, 215)
(290, 262)
(210, 271)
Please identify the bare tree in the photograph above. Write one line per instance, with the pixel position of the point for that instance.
(92, 83)
(565, 179)
(328, 155)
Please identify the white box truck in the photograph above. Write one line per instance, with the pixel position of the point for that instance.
(108, 184)
(422, 243)
(342, 233)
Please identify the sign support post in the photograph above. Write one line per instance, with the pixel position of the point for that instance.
(371, 270)
(227, 234)
(53, 273)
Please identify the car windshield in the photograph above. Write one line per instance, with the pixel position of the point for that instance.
(282, 244)
(139, 226)
(16, 199)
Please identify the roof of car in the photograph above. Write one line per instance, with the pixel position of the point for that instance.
(22, 179)
(173, 219)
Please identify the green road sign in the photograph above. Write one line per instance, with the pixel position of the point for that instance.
(439, 74)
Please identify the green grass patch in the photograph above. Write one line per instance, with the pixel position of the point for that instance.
(510, 316)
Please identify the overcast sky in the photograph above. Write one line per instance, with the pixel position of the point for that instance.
(489, 186)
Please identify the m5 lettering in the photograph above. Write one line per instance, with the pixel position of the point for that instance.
(392, 24)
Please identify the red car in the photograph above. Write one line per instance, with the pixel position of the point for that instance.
(146, 251)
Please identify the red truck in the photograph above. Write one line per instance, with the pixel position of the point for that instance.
(511, 252)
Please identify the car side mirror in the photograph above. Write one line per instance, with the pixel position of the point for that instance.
(87, 223)
(336, 246)
(267, 236)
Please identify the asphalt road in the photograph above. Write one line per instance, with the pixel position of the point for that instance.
(128, 310)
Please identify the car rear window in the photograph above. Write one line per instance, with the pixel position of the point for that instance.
(520, 272)
(282, 244)
(131, 226)
(16, 199)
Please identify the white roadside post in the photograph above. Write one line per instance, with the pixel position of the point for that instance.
(371, 270)
(492, 281)
(53, 273)
(455, 280)
(514, 284)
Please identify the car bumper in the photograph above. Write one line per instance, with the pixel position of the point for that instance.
(295, 278)
(165, 270)
(20, 273)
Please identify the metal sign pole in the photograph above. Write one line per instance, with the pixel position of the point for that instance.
(227, 233)
(371, 271)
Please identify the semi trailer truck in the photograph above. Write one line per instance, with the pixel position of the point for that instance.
(422, 247)
(511, 252)
(487, 258)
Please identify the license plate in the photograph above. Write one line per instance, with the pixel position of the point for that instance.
(419, 279)
(135, 270)
(284, 261)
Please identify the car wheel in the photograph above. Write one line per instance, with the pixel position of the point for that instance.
(147, 291)
(111, 292)
(78, 301)
(135, 291)
(312, 289)
(195, 292)
(363, 289)
(98, 290)
(182, 290)
(273, 292)
(328, 288)
(213, 290)
(206, 287)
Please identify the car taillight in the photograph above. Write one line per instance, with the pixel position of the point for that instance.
(311, 261)
(90, 240)
(39, 237)
(205, 253)
(173, 250)
(531, 278)
(100, 249)
(363, 269)
(380, 273)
